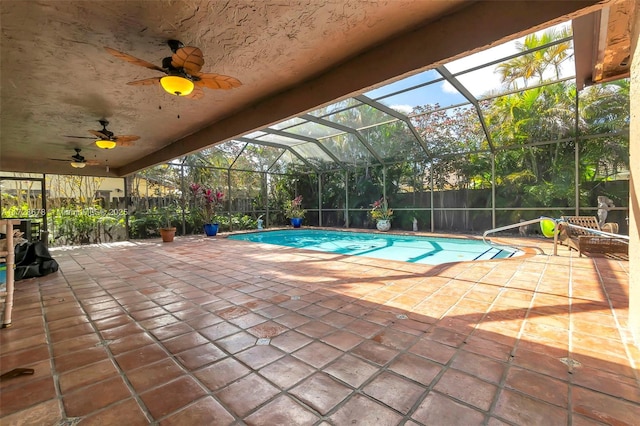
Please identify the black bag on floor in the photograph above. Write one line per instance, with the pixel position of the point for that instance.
(33, 260)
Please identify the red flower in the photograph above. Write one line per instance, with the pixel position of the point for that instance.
(207, 200)
(194, 187)
(208, 195)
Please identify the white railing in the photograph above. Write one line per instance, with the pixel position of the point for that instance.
(518, 225)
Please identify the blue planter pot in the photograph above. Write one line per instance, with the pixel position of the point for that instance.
(211, 229)
(296, 222)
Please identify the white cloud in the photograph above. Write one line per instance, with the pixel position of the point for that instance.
(448, 88)
(405, 109)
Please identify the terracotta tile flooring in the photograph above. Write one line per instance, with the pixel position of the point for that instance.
(218, 332)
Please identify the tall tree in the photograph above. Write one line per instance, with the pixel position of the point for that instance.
(534, 67)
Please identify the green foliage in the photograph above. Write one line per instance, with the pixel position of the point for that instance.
(543, 175)
(13, 210)
(85, 225)
(145, 225)
(380, 210)
(238, 221)
(293, 208)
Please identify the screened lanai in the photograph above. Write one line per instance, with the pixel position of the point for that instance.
(214, 330)
(481, 142)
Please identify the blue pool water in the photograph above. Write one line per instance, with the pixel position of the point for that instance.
(406, 248)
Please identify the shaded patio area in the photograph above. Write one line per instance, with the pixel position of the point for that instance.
(215, 331)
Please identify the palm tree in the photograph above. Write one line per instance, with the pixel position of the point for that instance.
(534, 65)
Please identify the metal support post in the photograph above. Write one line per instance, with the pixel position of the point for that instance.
(346, 198)
(493, 189)
(319, 199)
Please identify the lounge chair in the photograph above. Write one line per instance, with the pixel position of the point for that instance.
(585, 241)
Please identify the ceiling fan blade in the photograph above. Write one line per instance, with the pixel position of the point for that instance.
(189, 57)
(77, 137)
(124, 143)
(92, 162)
(145, 82)
(126, 138)
(197, 93)
(99, 134)
(216, 81)
(133, 59)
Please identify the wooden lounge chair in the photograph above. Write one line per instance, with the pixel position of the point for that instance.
(589, 242)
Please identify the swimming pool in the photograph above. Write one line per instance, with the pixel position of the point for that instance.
(406, 248)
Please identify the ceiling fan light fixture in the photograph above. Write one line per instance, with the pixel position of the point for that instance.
(177, 85)
(105, 144)
(78, 164)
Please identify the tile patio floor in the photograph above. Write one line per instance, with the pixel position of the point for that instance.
(141, 333)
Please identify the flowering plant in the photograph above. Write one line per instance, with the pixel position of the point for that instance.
(209, 199)
(293, 208)
(380, 210)
(168, 212)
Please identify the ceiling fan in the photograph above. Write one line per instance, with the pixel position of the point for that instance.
(105, 139)
(182, 69)
(77, 161)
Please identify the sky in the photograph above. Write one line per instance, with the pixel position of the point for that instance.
(478, 82)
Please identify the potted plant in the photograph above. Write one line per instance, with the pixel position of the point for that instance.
(382, 214)
(294, 211)
(207, 201)
(168, 232)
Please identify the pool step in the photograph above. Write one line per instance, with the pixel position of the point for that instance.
(489, 254)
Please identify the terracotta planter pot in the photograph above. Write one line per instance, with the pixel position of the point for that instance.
(167, 234)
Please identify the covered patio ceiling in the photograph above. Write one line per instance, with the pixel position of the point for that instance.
(58, 81)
